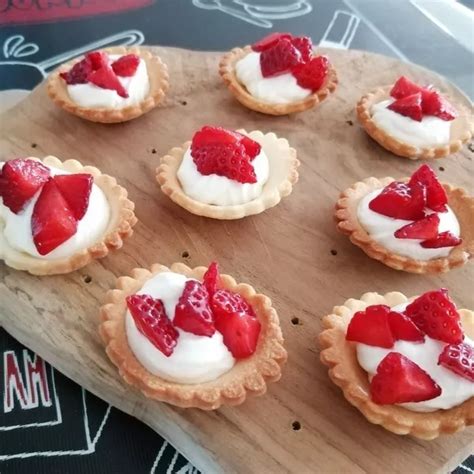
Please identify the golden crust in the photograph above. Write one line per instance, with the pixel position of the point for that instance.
(283, 175)
(247, 377)
(348, 223)
(345, 371)
(120, 226)
(462, 129)
(227, 72)
(157, 75)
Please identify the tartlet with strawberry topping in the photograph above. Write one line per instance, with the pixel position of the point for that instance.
(414, 121)
(55, 217)
(112, 85)
(225, 174)
(192, 337)
(418, 225)
(278, 75)
(406, 364)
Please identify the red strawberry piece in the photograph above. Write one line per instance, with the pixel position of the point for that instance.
(409, 106)
(211, 278)
(459, 358)
(436, 315)
(269, 41)
(404, 87)
(436, 197)
(225, 302)
(106, 78)
(240, 332)
(79, 73)
(126, 66)
(435, 104)
(150, 318)
(52, 222)
(403, 328)
(426, 228)
(20, 179)
(445, 239)
(311, 75)
(280, 58)
(192, 313)
(371, 327)
(400, 380)
(76, 190)
(401, 201)
(97, 59)
(252, 148)
(304, 45)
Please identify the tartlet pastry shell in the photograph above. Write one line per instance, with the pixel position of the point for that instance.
(120, 226)
(283, 175)
(347, 222)
(227, 72)
(157, 76)
(462, 129)
(248, 376)
(344, 370)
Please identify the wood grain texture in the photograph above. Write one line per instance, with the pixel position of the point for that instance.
(286, 253)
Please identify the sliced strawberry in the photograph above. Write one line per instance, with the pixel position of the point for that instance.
(126, 66)
(304, 45)
(371, 327)
(401, 201)
(97, 59)
(106, 78)
(52, 222)
(404, 87)
(436, 197)
(225, 302)
(436, 315)
(192, 313)
(240, 332)
(210, 279)
(79, 73)
(459, 358)
(445, 239)
(269, 41)
(252, 147)
(76, 190)
(403, 328)
(435, 104)
(280, 58)
(426, 228)
(311, 75)
(20, 179)
(400, 380)
(150, 318)
(409, 106)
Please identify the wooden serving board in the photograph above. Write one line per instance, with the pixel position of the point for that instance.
(288, 252)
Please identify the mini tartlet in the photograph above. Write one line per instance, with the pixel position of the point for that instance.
(120, 223)
(158, 84)
(321, 91)
(460, 119)
(248, 375)
(341, 357)
(460, 204)
(281, 175)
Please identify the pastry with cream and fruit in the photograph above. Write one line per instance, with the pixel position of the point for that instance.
(406, 364)
(413, 121)
(418, 225)
(192, 337)
(55, 217)
(227, 174)
(111, 85)
(278, 75)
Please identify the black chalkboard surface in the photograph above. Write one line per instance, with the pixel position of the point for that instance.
(48, 424)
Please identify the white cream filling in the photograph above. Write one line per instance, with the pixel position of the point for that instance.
(282, 89)
(455, 389)
(220, 190)
(90, 229)
(195, 359)
(430, 131)
(91, 96)
(382, 228)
